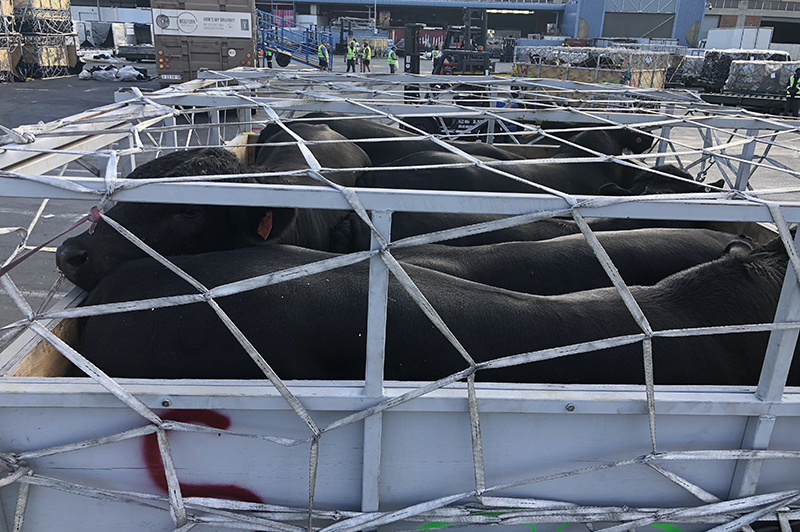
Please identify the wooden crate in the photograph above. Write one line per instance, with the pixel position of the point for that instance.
(29, 356)
(638, 78)
(9, 57)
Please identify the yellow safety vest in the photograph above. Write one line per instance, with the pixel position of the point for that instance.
(392, 60)
(794, 86)
(322, 52)
(351, 53)
(367, 53)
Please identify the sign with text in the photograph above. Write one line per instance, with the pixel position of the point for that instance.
(202, 23)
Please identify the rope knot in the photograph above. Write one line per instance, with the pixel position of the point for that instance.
(9, 462)
(94, 217)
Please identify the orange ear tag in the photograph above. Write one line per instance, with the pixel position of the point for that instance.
(265, 226)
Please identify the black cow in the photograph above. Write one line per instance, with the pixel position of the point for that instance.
(173, 229)
(315, 327)
(605, 141)
(351, 234)
(383, 152)
(610, 142)
(572, 178)
(567, 264)
(650, 182)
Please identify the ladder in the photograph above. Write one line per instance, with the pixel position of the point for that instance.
(287, 41)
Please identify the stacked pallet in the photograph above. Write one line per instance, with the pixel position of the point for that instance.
(717, 64)
(6, 17)
(47, 38)
(765, 77)
(593, 65)
(9, 41)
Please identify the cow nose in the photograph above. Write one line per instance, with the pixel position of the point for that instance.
(69, 260)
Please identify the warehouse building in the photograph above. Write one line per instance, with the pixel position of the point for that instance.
(581, 19)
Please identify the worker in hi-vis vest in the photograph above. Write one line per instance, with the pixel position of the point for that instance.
(792, 96)
(322, 55)
(366, 57)
(392, 60)
(350, 56)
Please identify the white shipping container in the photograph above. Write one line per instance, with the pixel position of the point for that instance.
(741, 38)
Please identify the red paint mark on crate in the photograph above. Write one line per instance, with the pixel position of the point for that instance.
(155, 467)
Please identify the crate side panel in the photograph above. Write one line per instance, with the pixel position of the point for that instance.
(518, 447)
(214, 464)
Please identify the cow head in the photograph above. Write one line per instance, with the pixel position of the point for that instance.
(635, 141)
(170, 229)
(609, 142)
(648, 182)
(191, 229)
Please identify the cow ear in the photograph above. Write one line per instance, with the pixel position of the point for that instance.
(253, 225)
(613, 189)
(738, 249)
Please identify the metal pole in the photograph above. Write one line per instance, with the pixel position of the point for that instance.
(215, 136)
(376, 348)
(376, 315)
(665, 131)
(743, 174)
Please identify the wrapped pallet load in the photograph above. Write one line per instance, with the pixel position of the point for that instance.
(767, 77)
(717, 64)
(691, 68)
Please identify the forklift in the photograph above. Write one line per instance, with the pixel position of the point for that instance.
(465, 49)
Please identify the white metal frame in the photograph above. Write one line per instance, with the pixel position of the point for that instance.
(22, 174)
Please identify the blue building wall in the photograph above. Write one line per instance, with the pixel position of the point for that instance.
(590, 11)
(569, 24)
(593, 12)
(689, 13)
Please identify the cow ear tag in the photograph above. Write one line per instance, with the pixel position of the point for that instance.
(265, 226)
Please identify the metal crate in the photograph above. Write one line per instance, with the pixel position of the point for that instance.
(396, 455)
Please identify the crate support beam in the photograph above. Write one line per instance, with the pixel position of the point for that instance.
(743, 172)
(171, 138)
(663, 144)
(215, 133)
(757, 434)
(127, 164)
(376, 348)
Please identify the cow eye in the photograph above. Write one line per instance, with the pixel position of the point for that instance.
(638, 140)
